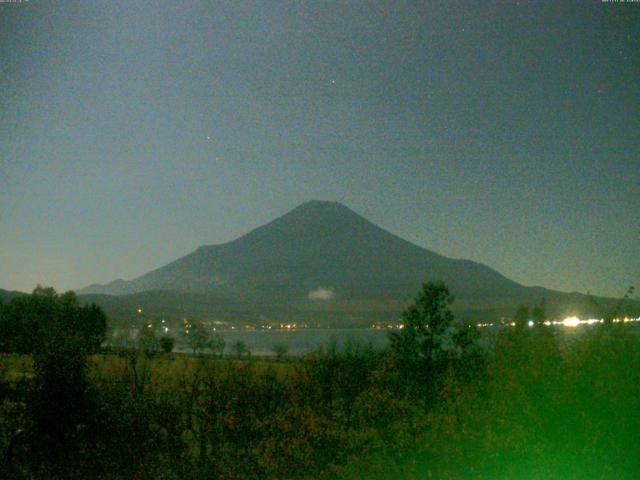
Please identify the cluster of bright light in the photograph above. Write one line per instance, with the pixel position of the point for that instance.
(575, 321)
(571, 322)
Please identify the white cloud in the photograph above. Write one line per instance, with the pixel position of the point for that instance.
(321, 293)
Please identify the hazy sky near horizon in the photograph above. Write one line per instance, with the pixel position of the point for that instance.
(132, 132)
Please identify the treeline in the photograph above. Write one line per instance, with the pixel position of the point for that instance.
(28, 323)
(439, 403)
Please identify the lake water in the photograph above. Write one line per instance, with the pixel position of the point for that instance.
(299, 342)
(302, 341)
(263, 342)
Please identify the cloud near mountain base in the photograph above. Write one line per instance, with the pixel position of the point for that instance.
(321, 293)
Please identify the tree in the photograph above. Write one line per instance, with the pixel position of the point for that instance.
(198, 337)
(280, 351)
(44, 292)
(147, 340)
(538, 314)
(93, 326)
(240, 347)
(521, 316)
(89, 321)
(218, 344)
(425, 323)
(59, 401)
(419, 347)
(619, 308)
(30, 321)
(121, 338)
(167, 343)
(609, 314)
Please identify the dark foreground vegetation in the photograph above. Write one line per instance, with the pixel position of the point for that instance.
(534, 402)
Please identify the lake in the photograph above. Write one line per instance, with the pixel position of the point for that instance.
(299, 342)
(303, 341)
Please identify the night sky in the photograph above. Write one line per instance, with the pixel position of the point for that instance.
(132, 132)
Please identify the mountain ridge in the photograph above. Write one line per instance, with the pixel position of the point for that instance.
(324, 258)
(312, 236)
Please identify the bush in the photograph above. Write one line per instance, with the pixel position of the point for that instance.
(167, 343)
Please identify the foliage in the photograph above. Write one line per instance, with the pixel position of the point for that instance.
(147, 340)
(425, 323)
(521, 317)
(422, 348)
(280, 352)
(59, 405)
(240, 348)
(553, 404)
(545, 403)
(620, 307)
(218, 344)
(167, 343)
(538, 314)
(541, 403)
(58, 401)
(27, 323)
(197, 337)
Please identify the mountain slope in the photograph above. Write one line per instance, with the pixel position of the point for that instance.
(318, 245)
(322, 260)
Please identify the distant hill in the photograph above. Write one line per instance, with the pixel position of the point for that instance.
(321, 260)
(8, 295)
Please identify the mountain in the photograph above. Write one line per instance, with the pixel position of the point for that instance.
(318, 245)
(8, 295)
(323, 257)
